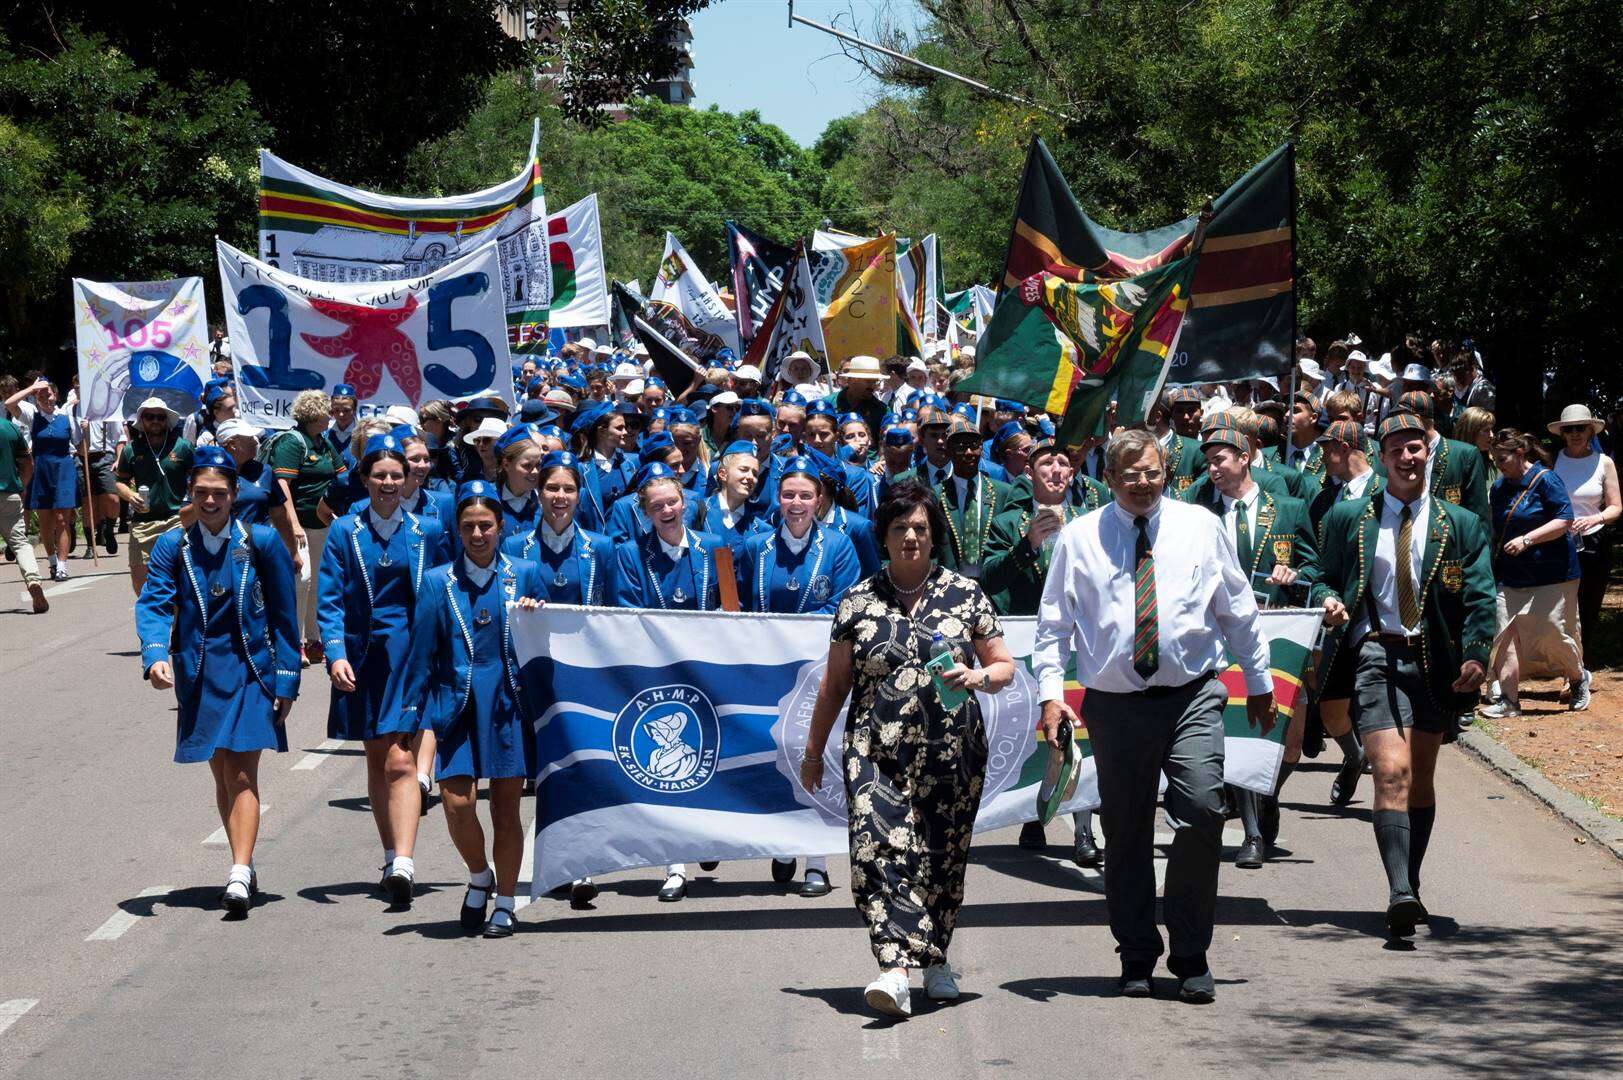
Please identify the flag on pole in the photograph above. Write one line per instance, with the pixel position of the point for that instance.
(580, 282)
(759, 268)
(668, 736)
(685, 292)
(862, 318)
(1242, 300)
(792, 322)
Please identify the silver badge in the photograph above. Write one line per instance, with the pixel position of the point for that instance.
(679, 596)
(258, 593)
(240, 553)
(384, 560)
(218, 590)
(482, 618)
(558, 580)
(794, 584)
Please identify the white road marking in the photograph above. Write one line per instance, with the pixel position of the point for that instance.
(526, 870)
(13, 1010)
(217, 837)
(318, 754)
(122, 920)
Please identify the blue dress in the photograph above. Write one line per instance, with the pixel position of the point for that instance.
(772, 578)
(55, 485)
(366, 594)
(228, 623)
(582, 573)
(258, 493)
(649, 578)
(462, 678)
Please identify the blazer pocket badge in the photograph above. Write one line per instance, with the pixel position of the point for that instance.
(1453, 578)
(1282, 552)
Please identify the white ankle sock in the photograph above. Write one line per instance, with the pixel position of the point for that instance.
(423, 781)
(483, 880)
(818, 863)
(240, 872)
(505, 903)
(402, 864)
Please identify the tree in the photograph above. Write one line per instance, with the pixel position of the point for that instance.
(38, 219)
(609, 52)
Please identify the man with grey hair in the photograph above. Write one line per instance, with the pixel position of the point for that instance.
(1150, 627)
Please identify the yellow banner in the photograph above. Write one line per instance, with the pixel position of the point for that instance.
(861, 318)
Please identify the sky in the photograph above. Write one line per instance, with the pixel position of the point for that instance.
(745, 56)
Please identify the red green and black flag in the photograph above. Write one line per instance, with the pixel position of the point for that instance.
(1243, 312)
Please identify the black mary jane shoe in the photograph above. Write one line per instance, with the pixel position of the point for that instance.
(473, 915)
(670, 894)
(815, 885)
(783, 871)
(582, 893)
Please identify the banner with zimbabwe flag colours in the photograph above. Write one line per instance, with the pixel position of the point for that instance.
(1243, 307)
(321, 230)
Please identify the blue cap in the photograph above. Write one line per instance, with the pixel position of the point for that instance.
(800, 465)
(1010, 406)
(822, 407)
(513, 436)
(898, 436)
(572, 381)
(404, 432)
(754, 407)
(792, 397)
(535, 411)
(215, 389)
(852, 418)
(626, 408)
(561, 459)
(1007, 432)
(376, 444)
(654, 380)
(651, 471)
(723, 354)
(910, 415)
(680, 415)
(964, 409)
(1045, 427)
(343, 389)
(213, 457)
(832, 472)
(590, 416)
(660, 442)
(739, 446)
(661, 413)
(478, 489)
(551, 431)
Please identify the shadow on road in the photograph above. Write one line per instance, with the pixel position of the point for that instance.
(848, 1001)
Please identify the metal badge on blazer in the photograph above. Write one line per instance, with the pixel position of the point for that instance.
(1282, 552)
(258, 593)
(1453, 578)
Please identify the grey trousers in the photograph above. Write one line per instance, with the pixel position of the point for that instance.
(1136, 738)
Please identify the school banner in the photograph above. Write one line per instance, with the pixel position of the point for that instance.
(580, 282)
(442, 335)
(328, 232)
(686, 294)
(792, 323)
(676, 736)
(862, 312)
(917, 269)
(138, 339)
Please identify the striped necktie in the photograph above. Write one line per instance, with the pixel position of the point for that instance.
(1146, 639)
(1408, 601)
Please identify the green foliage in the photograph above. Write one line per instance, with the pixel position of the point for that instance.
(38, 217)
(609, 51)
(1453, 159)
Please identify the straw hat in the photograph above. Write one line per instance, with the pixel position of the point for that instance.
(1577, 414)
(863, 367)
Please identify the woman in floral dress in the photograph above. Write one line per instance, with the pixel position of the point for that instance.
(913, 768)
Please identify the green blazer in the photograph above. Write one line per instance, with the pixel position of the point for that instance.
(1202, 493)
(1456, 588)
(1298, 484)
(967, 532)
(1283, 534)
(1012, 574)
(1328, 497)
(1459, 476)
(1185, 464)
(1313, 466)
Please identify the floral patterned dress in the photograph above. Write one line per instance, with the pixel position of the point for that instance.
(913, 770)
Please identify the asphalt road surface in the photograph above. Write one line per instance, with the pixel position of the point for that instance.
(115, 961)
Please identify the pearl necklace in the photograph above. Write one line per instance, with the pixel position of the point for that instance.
(907, 592)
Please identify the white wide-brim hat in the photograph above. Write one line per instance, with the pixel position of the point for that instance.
(489, 428)
(1578, 414)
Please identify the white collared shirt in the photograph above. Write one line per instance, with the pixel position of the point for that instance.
(516, 503)
(1202, 602)
(213, 542)
(1297, 456)
(1247, 505)
(1355, 488)
(556, 541)
(1383, 577)
(1431, 457)
(385, 526)
(794, 544)
(479, 575)
(604, 463)
(674, 552)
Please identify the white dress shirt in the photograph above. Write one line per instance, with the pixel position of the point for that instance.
(795, 544)
(479, 575)
(1232, 509)
(556, 541)
(385, 526)
(674, 552)
(213, 542)
(1383, 576)
(1202, 601)
(1355, 488)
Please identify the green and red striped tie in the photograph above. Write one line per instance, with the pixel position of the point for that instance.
(1146, 639)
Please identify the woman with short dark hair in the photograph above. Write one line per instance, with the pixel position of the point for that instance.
(914, 760)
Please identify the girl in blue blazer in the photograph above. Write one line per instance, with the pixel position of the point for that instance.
(371, 568)
(576, 565)
(462, 679)
(218, 622)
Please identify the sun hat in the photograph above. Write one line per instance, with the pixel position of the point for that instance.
(1578, 414)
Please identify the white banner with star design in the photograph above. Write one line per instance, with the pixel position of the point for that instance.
(139, 339)
(439, 336)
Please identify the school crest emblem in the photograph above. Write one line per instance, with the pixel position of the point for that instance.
(1453, 578)
(1282, 552)
(668, 739)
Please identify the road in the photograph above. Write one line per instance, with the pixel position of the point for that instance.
(118, 964)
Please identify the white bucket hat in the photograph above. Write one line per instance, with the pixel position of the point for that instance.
(1578, 414)
(489, 428)
(863, 367)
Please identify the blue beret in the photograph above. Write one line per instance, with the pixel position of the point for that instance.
(852, 418)
(404, 432)
(214, 390)
(590, 416)
(652, 445)
(1046, 427)
(513, 436)
(793, 397)
(829, 468)
(1007, 432)
(800, 465)
(551, 431)
(910, 415)
(651, 471)
(478, 489)
(343, 389)
(724, 354)
(654, 380)
(739, 446)
(625, 408)
(660, 413)
(535, 384)
(561, 459)
(377, 444)
(754, 407)
(898, 436)
(213, 457)
(821, 407)
(964, 409)
(1010, 406)
(572, 381)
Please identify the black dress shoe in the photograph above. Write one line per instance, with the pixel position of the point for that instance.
(708, 866)
(1250, 855)
(1345, 785)
(1086, 852)
(1135, 979)
(670, 894)
(1032, 836)
(1198, 989)
(815, 885)
(494, 929)
(473, 916)
(1269, 821)
(1403, 913)
(783, 870)
(582, 893)
(424, 802)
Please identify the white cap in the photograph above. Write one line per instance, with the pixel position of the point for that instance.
(1269, 381)
(156, 403)
(602, 350)
(917, 364)
(967, 350)
(625, 372)
(1310, 370)
(403, 414)
(639, 349)
(1417, 373)
(726, 397)
(748, 373)
(489, 428)
(589, 344)
(634, 388)
(234, 427)
(1382, 367)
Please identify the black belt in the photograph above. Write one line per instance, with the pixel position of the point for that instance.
(1413, 642)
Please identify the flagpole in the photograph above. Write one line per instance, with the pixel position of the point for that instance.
(1290, 402)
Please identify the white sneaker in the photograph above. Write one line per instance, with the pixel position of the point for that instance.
(888, 994)
(941, 982)
(1580, 693)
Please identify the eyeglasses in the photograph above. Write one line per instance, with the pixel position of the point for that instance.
(1146, 476)
(1575, 429)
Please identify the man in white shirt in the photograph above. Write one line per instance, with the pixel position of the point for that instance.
(1150, 625)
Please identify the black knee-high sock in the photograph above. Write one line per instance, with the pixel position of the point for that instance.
(1392, 836)
(1421, 819)
(1250, 806)
(1349, 745)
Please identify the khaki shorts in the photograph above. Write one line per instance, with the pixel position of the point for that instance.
(144, 535)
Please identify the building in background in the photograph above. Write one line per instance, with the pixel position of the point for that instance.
(676, 89)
